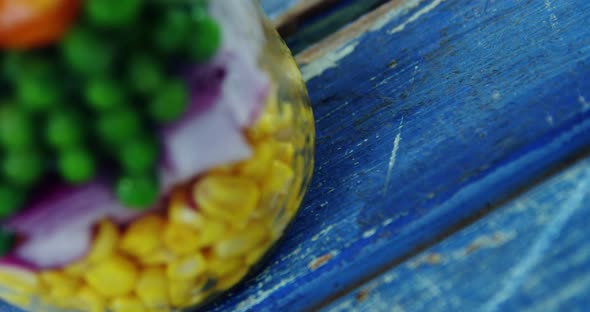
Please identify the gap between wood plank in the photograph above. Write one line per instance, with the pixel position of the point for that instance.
(346, 34)
(287, 23)
(459, 226)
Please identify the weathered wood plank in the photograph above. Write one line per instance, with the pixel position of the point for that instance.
(443, 108)
(530, 255)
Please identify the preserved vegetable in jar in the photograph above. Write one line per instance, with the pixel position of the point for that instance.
(151, 152)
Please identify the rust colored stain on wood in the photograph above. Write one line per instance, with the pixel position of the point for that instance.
(318, 262)
(434, 259)
(362, 295)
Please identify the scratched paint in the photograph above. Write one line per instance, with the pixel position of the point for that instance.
(585, 104)
(327, 61)
(393, 157)
(395, 13)
(545, 240)
(522, 265)
(552, 16)
(464, 73)
(431, 6)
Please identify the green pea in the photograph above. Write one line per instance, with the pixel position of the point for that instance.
(170, 102)
(86, 53)
(23, 168)
(36, 84)
(119, 126)
(139, 156)
(145, 74)
(16, 128)
(137, 192)
(113, 13)
(37, 94)
(11, 200)
(104, 94)
(172, 32)
(206, 38)
(77, 165)
(7, 242)
(64, 129)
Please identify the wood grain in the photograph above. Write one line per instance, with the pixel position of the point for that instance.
(530, 255)
(437, 112)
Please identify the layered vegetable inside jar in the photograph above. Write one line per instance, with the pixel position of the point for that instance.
(151, 152)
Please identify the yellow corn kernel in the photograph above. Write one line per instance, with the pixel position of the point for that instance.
(43, 300)
(180, 239)
(152, 288)
(189, 267)
(272, 101)
(211, 232)
(228, 198)
(87, 299)
(20, 300)
(269, 205)
(61, 286)
(284, 152)
(279, 179)
(219, 267)
(231, 279)
(285, 121)
(257, 253)
(105, 242)
(241, 242)
(19, 280)
(158, 310)
(143, 236)
(271, 210)
(181, 213)
(158, 256)
(115, 276)
(267, 122)
(225, 169)
(265, 126)
(257, 166)
(127, 304)
(77, 268)
(180, 291)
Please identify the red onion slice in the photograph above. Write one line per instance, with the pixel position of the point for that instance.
(57, 226)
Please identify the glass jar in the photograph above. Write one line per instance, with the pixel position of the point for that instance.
(232, 164)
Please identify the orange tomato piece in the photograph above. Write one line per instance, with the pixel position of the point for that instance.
(27, 24)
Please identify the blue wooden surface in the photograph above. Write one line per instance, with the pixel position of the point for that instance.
(491, 93)
(444, 108)
(530, 255)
